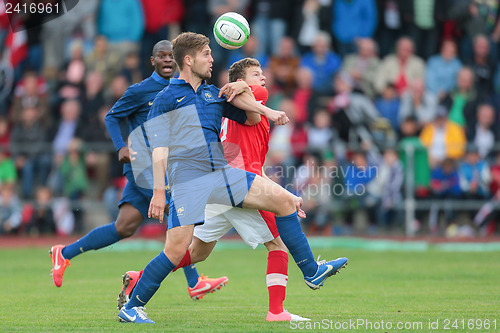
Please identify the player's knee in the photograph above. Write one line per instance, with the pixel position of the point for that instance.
(126, 228)
(286, 204)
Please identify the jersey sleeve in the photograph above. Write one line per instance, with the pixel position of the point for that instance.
(232, 112)
(124, 107)
(158, 123)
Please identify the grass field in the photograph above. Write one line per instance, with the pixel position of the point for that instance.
(376, 286)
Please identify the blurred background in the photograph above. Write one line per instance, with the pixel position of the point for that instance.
(393, 105)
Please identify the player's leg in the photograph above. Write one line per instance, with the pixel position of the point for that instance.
(176, 244)
(266, 195)
(127, 222)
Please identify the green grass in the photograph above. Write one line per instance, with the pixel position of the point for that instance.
(389, 286)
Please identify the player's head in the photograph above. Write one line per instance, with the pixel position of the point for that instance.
(191, 51)
(247, 70)
(162, 59)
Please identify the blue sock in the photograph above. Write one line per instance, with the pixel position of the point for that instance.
(191, 275)
(154, 273)
(296, 242)
(96, 239)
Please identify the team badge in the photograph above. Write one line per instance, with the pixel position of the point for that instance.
(180, 211)
(208, 96)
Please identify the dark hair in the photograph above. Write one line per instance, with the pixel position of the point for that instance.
(238, 69)
(159, 45)
(187, 43)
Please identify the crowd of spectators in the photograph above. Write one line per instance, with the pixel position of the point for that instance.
(365, 83)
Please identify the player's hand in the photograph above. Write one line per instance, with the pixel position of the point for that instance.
(277, 117)
(124, 155)
(157, 205)
(298, 205)
(233, 89)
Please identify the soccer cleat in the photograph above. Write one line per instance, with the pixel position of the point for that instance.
(284, 316)
(325, 270)
(134, 315)
(59, 264)
(205, 286)
(129, 280)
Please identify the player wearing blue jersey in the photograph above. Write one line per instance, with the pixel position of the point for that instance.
(183, 127)
(134, 105)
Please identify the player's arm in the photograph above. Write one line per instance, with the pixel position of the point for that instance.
(158, 130)
(125, 106)
(298, 200)
(233, 89)
(159, 199)
(249, 104)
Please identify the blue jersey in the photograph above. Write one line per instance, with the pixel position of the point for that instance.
(189, 123)
(134, 105)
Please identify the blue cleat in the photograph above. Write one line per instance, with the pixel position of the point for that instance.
(134, 315)
(325, 270)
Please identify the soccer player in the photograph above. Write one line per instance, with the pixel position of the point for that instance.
(133, 105)
(183, 126)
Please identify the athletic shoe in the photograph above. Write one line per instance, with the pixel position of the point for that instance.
(129, 281)
(325, 270)
(59, 264)
(205, 286)
(285, 316)
(134, 315)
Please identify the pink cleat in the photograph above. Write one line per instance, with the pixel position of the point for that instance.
(206, 286)
(285, 316)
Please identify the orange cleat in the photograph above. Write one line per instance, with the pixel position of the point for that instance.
(129, 280)
(59, 264)
(205, 286)
(285, 316)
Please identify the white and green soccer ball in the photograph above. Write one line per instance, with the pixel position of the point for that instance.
(231, 30)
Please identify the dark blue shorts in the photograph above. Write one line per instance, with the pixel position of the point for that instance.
(137, 196)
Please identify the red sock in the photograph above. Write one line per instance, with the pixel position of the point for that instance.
(276, 279)
(186, 261)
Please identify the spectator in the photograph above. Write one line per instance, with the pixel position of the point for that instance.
(474, 175)
(131, 68)
(463, 101)
(103, 60)
(400, 69)
(353, 19)
(320, 135)
(56, 32)
(74, 179)
(385, 189)
(30, 92)
(483, 66)
(476, 18)
(443, 139)
(419, 103)
(392, 19)
(73, 76)
(483, 132)
(4, 133)
(388, 105)
(28, 145)
(66, 129)
(424, 29)
(323, 63)
(284, 64)
(159, 16)
(310, 27)
(410, 143)
(445, 184)
(302, 94)
(270, 23)
(441, 70)
(123, 34)
(8, 172)
(351, 110)
(93, 97)
(363, 66)
(42, 219)
(10, 211)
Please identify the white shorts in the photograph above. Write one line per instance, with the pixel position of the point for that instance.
(219, 219)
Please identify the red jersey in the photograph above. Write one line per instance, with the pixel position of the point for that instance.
(245, 147)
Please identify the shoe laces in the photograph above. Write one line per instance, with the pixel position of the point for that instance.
(320, 262)
(203, 277)
(141, 313)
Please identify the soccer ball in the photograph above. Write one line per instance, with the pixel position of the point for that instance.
(231, 30)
